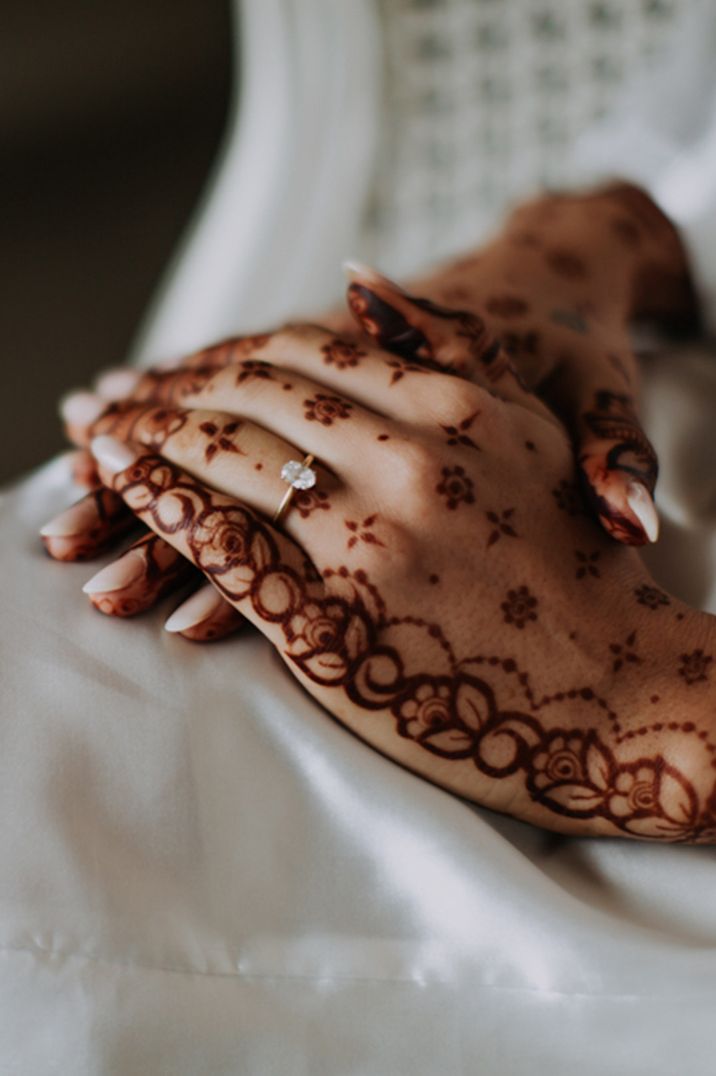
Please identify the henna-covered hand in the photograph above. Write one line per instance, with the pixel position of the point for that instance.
(481, 629)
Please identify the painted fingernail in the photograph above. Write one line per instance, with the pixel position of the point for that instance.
(113, 455)
(117, 383)
(197, 608)
(77, 519)
(118, 575)
(355, 270)
(81, 408)
(641, 504)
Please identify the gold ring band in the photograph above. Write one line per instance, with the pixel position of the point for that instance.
(299, 476)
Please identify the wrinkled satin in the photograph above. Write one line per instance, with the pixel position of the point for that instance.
(202, 872)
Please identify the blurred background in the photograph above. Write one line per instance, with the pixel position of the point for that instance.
(111, 116)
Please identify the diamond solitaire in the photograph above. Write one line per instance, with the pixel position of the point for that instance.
(299, 475)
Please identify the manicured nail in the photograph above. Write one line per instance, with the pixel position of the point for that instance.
(641, 504)
(118, 575)
(195, 609)
(118, 383)
(81, 408)
(113, 455)
(74, 520)
(357, 271)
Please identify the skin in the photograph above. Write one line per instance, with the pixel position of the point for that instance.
(503, 647)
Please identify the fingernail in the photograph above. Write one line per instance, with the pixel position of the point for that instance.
(117, 383)
(113, 455)
(118, 575)
(357, 270)
(641, 504)
(81, 408)
(197, 608)
(74, 520)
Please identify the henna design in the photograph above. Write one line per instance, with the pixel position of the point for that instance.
(220, 438)
(228, 352)
(695, 666)
(310, 500)
(164, 568)
(338, 641)
(501, 525)
(651, 597)
(526, 343)
(456, 487)
(456, 293)
(326, 409)
(519, 607)
(151, 425)
(530, 446)
(566, 264)
(624, 652)
(253, 369)
(587, 564)
(569, 498)
(507, 306)
(341, 353)
(361, 532)
(102, 517)
(613, 419)
(457, 434)
(401, 368)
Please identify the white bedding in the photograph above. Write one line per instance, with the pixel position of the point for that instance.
(203, 874)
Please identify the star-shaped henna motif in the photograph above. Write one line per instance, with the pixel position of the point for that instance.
(457, 434)
(624, 652)
(587, 564)
(501, 525)
(569, 498)
(362, 532)
(400, 368)
(220, 438)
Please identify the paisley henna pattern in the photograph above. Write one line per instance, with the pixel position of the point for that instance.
(342, 638)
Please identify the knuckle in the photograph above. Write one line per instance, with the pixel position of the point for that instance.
(454, 397)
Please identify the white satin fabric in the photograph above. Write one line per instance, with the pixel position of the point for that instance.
(203, 874)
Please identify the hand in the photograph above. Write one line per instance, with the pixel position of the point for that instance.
(443, 592)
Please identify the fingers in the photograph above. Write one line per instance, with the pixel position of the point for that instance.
(425, 332)
(205, 616)
(620, 467)
(147, 571)
(617, 461)
(87, 527)
(261, 571)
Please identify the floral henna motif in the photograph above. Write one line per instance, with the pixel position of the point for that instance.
(519, 607)
(501, 525)
(253, 369)
(306, 501)
(342, 354)
(326, 409)
(651, 597)
(457, 435)
(362, 532)
(695, 666)
(566, 264)
(220, 438)
(339, 641)
(456, 487)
